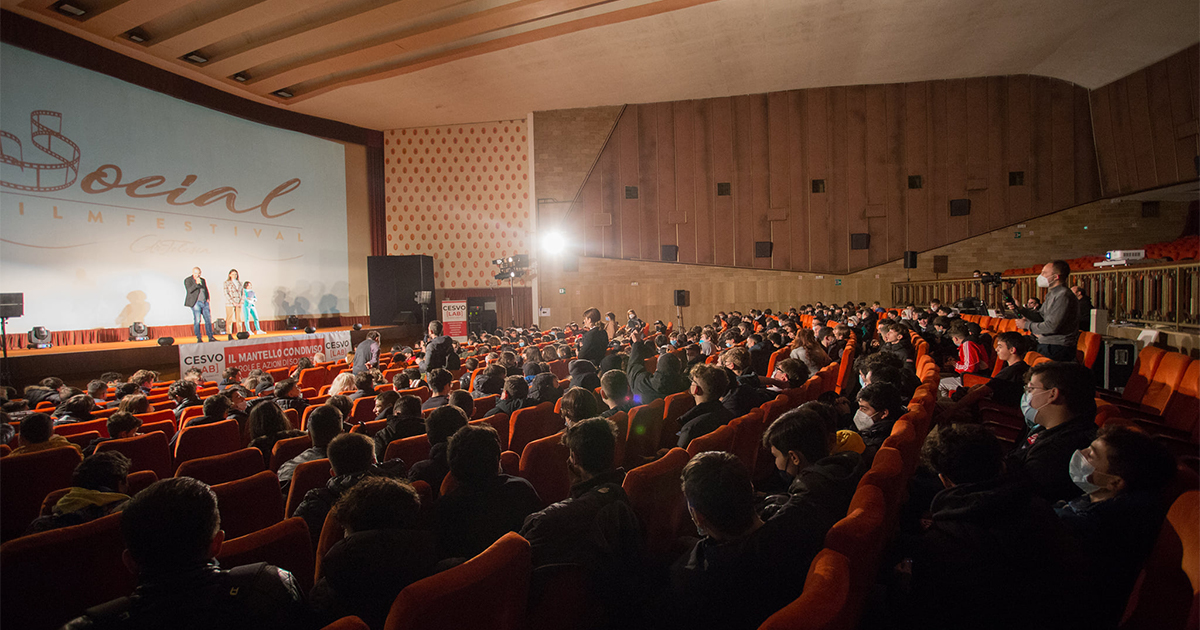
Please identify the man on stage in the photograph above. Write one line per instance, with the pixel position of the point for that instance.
(197, 300)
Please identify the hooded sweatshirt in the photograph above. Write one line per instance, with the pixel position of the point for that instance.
(666, 380)
(583, 374)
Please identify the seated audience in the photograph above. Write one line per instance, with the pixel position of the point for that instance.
(788, 374)
(97, 489)
(801, 443)
(97, 390)
(515, 396)
(1060, 410)
(578, 404)
(895, 341)
(352, 458)
(231, 376)
(343, 383)
(37, 434)
(1006, 387)
(135, 404)
(745, 392)
(324, 424)
(709, 384)
(544, 388)
(287, 396)
(461, 398)
(267, 426)
(614, 393)
(1116, 522)
(490, 381)
(172, 533)
(994, 556)
(119, 425)
(583, 374)
(879, 407)
(439, 383)
(383, 552)
(807, 350)
(668, 377)
(972, 358)
(364, 384)
(120, 393)
(406, 421)
(77, 408)
(486, 504)
(439, 426)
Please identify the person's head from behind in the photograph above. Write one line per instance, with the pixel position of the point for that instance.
(439, 381)
(797, 439)
(959, 333)
(378, 503)
(443, 422)
(408, 406)
(364, 382)
(592, 444)
(792, 371)
(267, 419)
(737, 359)
(123, 425)
(112, 379)
(96, 389)
(324, 424)
(578, 404)
(36, 428)
(78, 406)
(435, 328)
(144, 378)
(461, 398)
(878, 402)
(720, 495)
(342, 403)
(963, 453)
(614, 385)
(515, 388)
(1122, 459)
(103, 472)
(172, 525)
(1057, 391)
(709, 382)
(135, 403)
(474, 453)
(287, 388)
(350, 453)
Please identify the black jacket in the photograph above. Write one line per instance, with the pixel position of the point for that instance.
(253, 597)
(903, 350)
(433, 470)
(702, 419)
(1044, 457)
(486, 386)
(196, 291)
(435, 402)
(363, 573)
(509, 405)
(646, 388)
(593, 345)
(439, 353)
(595, 528)
(583, 374)
(760, 357)
(995, 557)
(745, 394)
(826, 486)
(397, 428)
(318, 501)
(1008, 385)
(475, 515)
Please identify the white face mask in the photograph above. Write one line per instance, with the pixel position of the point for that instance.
(1029, 411)
(1043, 282)
(862, 421)
(1081, 469)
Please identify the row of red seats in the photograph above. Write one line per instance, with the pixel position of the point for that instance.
(1182, 248)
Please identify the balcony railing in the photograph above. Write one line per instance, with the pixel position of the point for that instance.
(1145, 294)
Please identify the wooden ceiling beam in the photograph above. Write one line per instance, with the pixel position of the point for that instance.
(130, 14)
(227, 26)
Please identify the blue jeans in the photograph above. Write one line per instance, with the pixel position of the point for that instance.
(201, 309)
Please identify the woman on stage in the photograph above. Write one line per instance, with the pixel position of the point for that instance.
(233, 303)
(250, 308)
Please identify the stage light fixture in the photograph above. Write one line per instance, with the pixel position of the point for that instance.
(554, 243)
(195, 57)
(39, 337)
(219, 326)
(138, 332)
(310, 329)
(292, 322)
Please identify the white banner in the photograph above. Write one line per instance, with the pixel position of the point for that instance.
(264, 353)
(454, 319)
(110, 193)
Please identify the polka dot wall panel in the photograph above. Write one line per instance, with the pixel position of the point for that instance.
(460, 194)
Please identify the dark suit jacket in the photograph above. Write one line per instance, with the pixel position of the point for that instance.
(195, 290)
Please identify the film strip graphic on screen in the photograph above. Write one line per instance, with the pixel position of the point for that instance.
(459, 193)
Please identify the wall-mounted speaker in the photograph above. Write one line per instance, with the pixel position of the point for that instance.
(861, 240)
(670, 253)
(12, 304)
(941, 264)
(960, 207)
(910, 260)
(762, 249)
(682, 297)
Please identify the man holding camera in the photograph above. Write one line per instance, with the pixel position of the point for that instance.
(1056, 322)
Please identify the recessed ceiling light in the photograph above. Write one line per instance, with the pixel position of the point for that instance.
(137, 35)
(241, 77)
(283, 94)
(195, 57)
(70, 10)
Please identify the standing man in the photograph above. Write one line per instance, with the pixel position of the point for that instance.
(197, 300)
(366, 355)
(1056, 322)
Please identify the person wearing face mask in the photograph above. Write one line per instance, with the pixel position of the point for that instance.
(743, 568)
(879, 407)
(1123, 474)
(1059, 406)
(994, 556)
(1056, 321)
(801, 443)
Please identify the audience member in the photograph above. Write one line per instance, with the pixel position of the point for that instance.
(441, 424)
(1056, 321)
(98, 488)
(544, 388)
(77, 408)
(806, 349)
(119, 425)
(287, 396)
(343, 383)
(879, 407)
(37, 434)
(439, 350)
(1060, 410)
(593, 344)
(584, 374)
(364, 386)
(667, 379)
(324, 424)
(385, 403)
(489, 382)
(352, 458)
(267, 426)
(745, 392)
(708, 384)
(439, 383)
(515, 396)
(822, 480)
(462, 399)
(406, 421)
(614, 393)
(578, 404)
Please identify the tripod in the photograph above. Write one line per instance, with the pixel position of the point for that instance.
(5, 376)
(512, 302)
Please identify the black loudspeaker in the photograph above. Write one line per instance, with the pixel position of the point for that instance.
(960, 207)
(910, 260)
(357, 327)
(243, 335)
(860, 240)
(670, 253)
(393, 282)
(166, 341)
(682, 297)
(12, 304)
(762, 249)
(310, 330)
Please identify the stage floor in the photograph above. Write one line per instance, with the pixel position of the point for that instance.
(77, 364)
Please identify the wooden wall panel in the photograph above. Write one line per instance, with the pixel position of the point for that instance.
(962, 137)
(1146, 125)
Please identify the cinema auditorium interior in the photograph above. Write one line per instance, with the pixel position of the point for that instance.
(600, 314)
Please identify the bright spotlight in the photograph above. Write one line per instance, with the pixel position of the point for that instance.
(554, 243)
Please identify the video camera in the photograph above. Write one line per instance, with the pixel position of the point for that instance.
(994, 279)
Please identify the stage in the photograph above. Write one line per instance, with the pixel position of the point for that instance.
(78, 364)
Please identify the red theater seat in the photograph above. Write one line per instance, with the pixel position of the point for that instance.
(25, 480)
(148, 452)
(250, 504)
(532, 423)
(307, 476)
(208, 439)
(657, 498)
(285, 544)
(825, 602)
(216, 469)
(288, 448)
(544, 464)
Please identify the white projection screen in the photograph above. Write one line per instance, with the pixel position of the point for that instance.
(111, 193)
